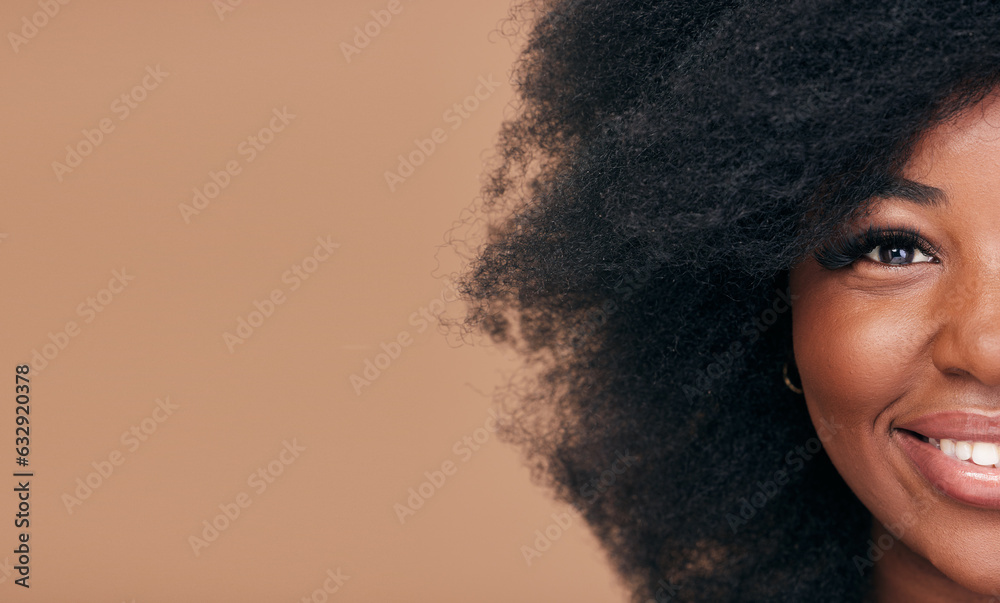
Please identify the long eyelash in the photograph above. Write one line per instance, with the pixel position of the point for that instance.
(846, 249)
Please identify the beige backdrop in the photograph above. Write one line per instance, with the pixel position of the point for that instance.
(235, 392)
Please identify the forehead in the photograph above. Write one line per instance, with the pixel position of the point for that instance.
(962, 152)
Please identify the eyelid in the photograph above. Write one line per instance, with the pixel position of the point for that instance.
(920, 242)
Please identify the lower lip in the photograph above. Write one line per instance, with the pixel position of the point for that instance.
(962, 481)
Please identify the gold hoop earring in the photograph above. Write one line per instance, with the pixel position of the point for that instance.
(788, 382)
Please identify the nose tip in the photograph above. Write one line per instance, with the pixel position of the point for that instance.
(968, 343)
(979, 358)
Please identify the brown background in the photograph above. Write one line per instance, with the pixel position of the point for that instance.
(161, 336)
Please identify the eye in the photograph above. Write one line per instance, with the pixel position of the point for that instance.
(894, 254)
(885, 246)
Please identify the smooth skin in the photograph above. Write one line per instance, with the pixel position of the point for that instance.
(878, 344)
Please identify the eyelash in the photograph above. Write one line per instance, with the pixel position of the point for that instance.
(850, 247)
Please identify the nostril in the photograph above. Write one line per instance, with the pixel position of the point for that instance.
(957, 372)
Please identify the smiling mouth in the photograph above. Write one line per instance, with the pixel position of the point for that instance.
(965, 466)
(983, 454)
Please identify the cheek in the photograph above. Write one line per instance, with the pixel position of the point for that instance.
(856, 355)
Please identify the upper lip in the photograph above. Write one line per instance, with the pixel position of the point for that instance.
(956, 425)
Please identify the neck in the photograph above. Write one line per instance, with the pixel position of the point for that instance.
(902, 575)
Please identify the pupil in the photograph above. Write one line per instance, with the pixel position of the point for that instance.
(895, 255)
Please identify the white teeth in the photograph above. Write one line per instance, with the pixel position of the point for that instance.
(985, 454)
(948, 447)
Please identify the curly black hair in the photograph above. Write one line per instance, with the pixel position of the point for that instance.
(666, 164)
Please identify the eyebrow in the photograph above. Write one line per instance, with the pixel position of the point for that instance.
(921, 194)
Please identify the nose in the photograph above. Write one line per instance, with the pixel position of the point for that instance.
(968, 341)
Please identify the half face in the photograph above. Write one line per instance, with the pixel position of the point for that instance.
(897, 339)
